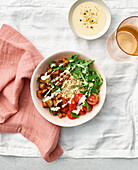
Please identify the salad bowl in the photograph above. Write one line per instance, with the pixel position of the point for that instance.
(66, 122)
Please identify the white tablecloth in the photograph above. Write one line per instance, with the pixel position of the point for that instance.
(114, 131)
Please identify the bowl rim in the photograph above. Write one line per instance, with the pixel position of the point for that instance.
(32, 93)
(93, 37)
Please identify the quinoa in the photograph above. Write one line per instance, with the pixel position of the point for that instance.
(69, 87)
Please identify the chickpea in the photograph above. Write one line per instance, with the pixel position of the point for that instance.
(59, 115)
(64, 64)
(67, 77)
(63, 59)
(63, 114)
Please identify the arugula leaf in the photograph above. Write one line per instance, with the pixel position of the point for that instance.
(100, 83)
(80, 87)
(83, 92)
(74, 114)
(73, 57)
(82, 76)
(38, 79)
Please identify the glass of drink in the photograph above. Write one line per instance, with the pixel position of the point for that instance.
(123, 43)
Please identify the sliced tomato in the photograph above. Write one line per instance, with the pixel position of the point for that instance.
(70, 116)
(77, 97)
(64, 102)
(72, 104)
(81, 112)
(64, 110)
(84, 108)
(93, 99)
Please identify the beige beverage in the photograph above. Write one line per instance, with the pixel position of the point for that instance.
(127, 38)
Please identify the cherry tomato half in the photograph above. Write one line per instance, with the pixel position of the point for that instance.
(64, 102)
(84, 108)
(64, 110)
(72, 104)
(77, 97)
(93, 99)
(82, 112)
(70, 116)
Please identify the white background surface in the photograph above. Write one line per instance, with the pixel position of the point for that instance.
(43, 22)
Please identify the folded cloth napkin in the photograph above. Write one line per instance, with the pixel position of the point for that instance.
(18, 59)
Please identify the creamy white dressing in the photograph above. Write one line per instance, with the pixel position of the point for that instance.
(52, 95)
(61, 79)
(77, 110)
(64, 105)
(54, 108)
(80, 65)
(52, 65)
(90, 84)
(82, 99)
(84, 71)
(66, 71)
(71, 61)
(85, 82)
(45, 76)
(56, 83)
(55, 79)
(46, 98)
(61, 64)
(58, 102)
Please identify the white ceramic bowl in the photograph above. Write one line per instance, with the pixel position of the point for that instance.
(108, 19)
(66, 122)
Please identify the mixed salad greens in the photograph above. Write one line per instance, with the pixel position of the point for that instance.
(80, 69)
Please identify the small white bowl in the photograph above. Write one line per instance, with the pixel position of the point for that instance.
(66, 122)
(108, 19)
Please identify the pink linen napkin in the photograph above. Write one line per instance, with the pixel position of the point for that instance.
(18, 59)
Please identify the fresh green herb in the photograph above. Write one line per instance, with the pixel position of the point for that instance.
(50, 110)
(55, 114)
(74, 114)
(55, 89)
(63, 69)
(52, 85)
(86, 104)
(38, 79)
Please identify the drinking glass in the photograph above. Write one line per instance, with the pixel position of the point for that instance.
(122, 44)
